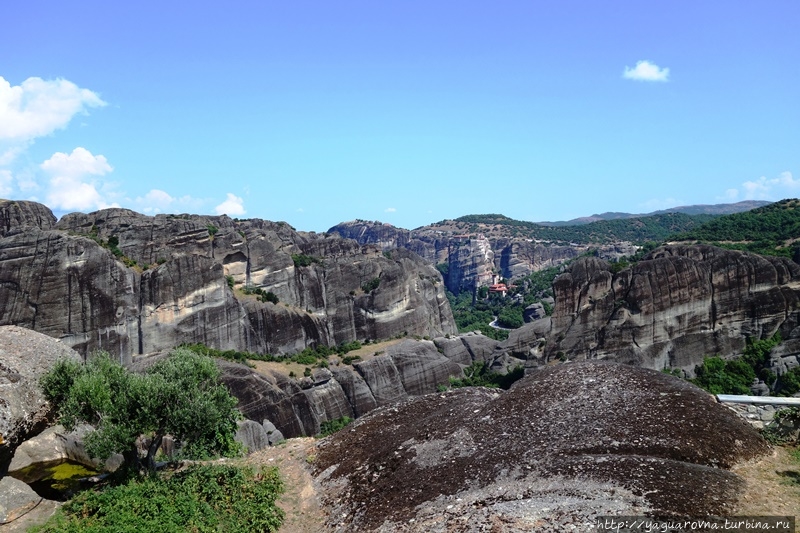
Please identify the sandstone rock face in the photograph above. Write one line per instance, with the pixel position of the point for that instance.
(252, 436)
(672, 309)
(566, 444)
(24, 357)
(133, 284)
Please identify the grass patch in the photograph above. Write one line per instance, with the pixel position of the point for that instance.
(203, 498)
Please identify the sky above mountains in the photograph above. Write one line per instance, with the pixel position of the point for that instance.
(320, 112)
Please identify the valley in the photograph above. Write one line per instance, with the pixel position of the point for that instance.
(369, 322)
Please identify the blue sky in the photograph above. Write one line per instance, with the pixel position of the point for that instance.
(406, 112)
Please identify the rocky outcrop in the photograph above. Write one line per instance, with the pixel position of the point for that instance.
(670, 310)
(565, 445)
(299, 407)
(133, 284)
(473, 259)
(25, 356)
(15, 215)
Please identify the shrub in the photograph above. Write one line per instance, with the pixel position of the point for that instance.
(329, 427)
(200, 498)
(371, 285)
(718, 376)
(178, 396)
(303, 260)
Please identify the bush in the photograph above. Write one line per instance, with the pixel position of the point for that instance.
(303, 260)
(329, 427)
(201, 498)
(371, 285)
(178, 396)
(718, 376)
(479, 375)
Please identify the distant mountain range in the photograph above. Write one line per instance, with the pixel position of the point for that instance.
(702, 209)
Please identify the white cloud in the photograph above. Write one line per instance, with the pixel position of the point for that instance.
(233, 205)
(71, 186)
(390, 210)
(5, 183)
(155, 201)
(38, 107)
(646, 71)
(158, 201)
(773, 189)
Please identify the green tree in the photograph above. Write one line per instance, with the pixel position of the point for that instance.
(178, 396)
(718, 376)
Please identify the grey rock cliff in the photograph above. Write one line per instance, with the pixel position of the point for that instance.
(472, 259)
(670, 310)
(298, 408)
(168, 281)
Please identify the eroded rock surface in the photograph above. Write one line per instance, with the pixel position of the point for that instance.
(24, 357)
(299, 407)
(472, 258)
(565, 445)
(134, 284)
(670, 310)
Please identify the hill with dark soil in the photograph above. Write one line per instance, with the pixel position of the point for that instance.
(566, 444)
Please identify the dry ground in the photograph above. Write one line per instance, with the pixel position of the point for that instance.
(304, 514)
(365, 352)
(773, 485)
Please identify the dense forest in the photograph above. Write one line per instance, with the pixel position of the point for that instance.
(769, 230)
(637, 230)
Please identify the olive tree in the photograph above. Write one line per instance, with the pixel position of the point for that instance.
(179, 396)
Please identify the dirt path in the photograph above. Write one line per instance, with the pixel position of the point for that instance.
(304, 514)
(773, 485)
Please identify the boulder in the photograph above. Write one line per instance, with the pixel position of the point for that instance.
(534, 312)
(25, 356)
(273, 435)
(565, 445)
(16, 500)
(252, 436)
(53, 444)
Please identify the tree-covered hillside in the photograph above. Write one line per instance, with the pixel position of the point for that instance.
(771, 230)
(637, 230)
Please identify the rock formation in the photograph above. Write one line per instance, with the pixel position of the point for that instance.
(24, 357)
(565, 445)
(410, 368)
(133, 284)
(670, 310)
(472, 259)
